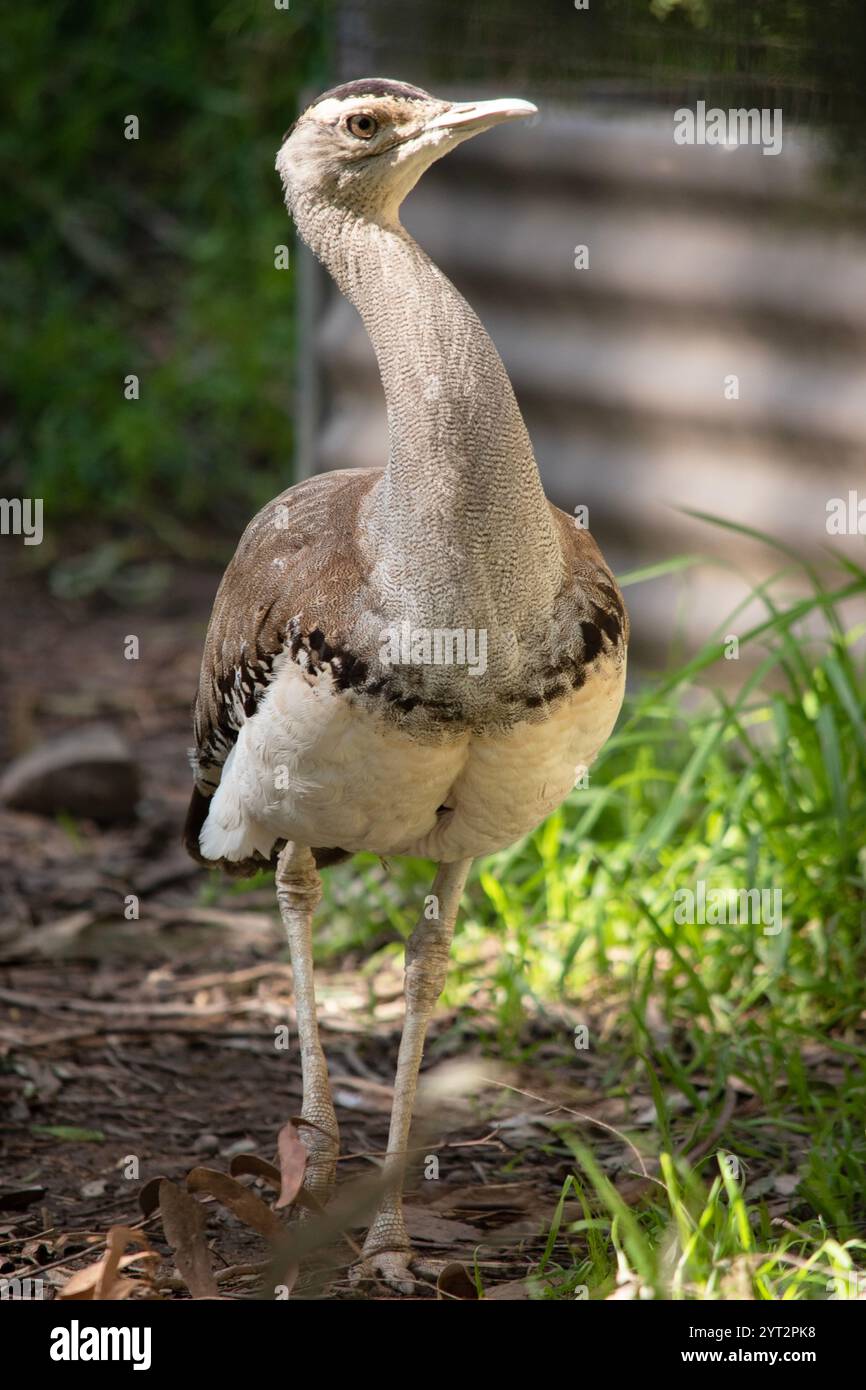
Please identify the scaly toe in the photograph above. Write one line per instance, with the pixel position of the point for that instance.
(393, 1267)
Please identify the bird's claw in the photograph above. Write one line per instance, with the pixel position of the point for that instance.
(392, 1267)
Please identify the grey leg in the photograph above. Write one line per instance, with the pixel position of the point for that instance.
(387, 1249)
(299, 889)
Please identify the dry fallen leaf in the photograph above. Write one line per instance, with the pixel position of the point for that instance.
(100, 1281)
(499, 1198)
(424, 1224)
(148, 1197)
(118, 1238)
(293, 1163)
(184, 1224)
(245, 1204)
(250, 1165)
(455, 1281)
(20, 1196)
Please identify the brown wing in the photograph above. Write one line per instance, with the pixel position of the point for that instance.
(296, 569)
(600, 613)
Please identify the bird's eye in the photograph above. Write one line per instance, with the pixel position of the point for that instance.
(362, 126)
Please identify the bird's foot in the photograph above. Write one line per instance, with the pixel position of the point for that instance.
(387, 1252)
(392, 1267)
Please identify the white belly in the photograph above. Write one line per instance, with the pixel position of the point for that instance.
(316, 768)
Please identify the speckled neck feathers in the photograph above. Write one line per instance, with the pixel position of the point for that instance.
(459, 531)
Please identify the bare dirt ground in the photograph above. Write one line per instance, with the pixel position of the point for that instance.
(134, 1050)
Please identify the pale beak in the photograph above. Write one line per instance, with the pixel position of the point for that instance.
(470, 117)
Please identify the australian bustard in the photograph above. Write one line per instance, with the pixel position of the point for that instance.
(416, 659)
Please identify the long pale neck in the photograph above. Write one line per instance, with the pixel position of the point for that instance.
(460, 529)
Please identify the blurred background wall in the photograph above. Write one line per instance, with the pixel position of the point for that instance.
(702, 262)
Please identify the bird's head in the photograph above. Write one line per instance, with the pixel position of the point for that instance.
(363, 146)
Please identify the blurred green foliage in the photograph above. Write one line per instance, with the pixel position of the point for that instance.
(152, 256)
